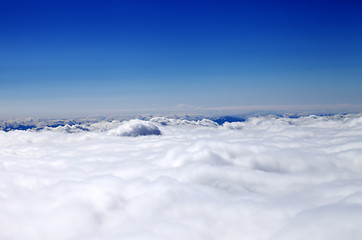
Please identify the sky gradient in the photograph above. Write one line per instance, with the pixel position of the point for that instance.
(81, 57)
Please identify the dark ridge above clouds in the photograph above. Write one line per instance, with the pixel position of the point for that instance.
(88, 124)
(33, 124)
(222, 120)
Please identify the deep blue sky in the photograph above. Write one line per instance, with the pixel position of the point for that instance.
(91, 56)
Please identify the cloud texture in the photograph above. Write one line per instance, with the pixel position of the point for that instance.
(266, 178)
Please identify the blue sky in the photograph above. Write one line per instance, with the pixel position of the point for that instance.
(59, 57)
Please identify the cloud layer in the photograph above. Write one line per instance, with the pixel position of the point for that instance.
(265, 178)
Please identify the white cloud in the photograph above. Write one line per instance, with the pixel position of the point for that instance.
(266, 178)
(134, 128)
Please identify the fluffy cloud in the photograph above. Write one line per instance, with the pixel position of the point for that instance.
(134, 128)
(265, 178)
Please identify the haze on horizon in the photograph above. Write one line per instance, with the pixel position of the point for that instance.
(93, 57)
